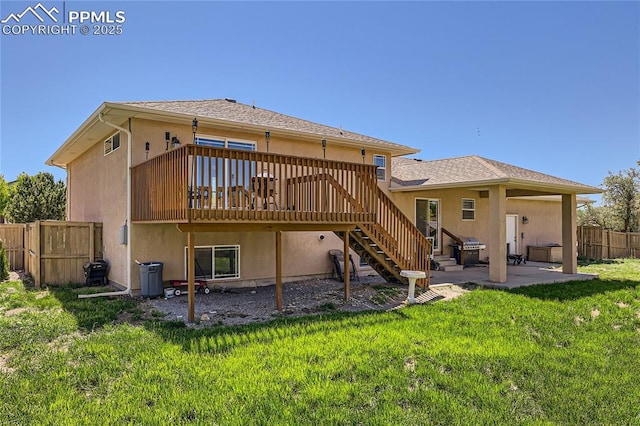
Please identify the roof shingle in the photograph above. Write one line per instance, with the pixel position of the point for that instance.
(409, 172)
(236, 112)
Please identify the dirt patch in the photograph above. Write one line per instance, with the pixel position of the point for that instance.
(250, 305)
(15, 311)
(4, 368)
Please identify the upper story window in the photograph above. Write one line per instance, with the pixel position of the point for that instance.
(468, 209)
(112, 143)
(381, 162)
(219, 142)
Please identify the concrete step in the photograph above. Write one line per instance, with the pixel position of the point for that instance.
(451, 268)
(440, 258)
(447, 262)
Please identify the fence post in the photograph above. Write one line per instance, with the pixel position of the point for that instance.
(92, 249)
(37, 250)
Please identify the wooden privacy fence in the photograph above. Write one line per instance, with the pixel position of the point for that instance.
(12, 237)
(598, 243)
(53, 252)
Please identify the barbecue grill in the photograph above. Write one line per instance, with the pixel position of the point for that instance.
(471, 248)
(95, 272)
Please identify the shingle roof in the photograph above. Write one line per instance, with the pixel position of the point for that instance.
(408, 172)
(236, 112)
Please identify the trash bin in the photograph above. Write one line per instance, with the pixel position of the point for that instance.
(151, 279)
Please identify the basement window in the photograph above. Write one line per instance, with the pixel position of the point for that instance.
(216, 262)
(468, 209)
(381, 162)
(112, 143)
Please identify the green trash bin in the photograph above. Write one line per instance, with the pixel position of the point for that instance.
(151, 279)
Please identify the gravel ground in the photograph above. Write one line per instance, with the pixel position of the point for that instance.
(251, 305)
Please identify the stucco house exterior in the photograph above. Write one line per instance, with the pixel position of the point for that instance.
(243, 196)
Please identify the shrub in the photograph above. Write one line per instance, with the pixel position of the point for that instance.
(4, 263)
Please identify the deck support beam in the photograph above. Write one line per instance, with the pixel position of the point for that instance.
(347, 264)
(191, 272)
(279, 270)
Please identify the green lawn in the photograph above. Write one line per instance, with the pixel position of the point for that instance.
(554, 354)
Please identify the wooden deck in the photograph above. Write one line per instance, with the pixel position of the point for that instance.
(203, 185)
(205, 189)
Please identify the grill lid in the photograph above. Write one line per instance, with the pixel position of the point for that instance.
(469, 241)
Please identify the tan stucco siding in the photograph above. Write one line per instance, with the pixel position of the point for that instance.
(304, 254)
(154, 133)
(97, 193)
(544, 217)
(544, 221)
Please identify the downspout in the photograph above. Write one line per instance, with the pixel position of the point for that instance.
(126, 291)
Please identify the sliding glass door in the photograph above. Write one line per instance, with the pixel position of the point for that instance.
(428, 219)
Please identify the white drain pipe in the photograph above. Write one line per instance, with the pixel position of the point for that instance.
(126, 291)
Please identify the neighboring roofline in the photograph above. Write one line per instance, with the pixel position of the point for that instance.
(393, 148)
(578, 189)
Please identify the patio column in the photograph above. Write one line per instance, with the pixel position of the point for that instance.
(498, 234)
(569, 238)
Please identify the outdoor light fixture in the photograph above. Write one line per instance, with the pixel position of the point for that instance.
(364, 153)
(194, 127)
(324, 148)
(525, 220)
(146, 148)
(175, 142)
(267, 138)
(167, 138)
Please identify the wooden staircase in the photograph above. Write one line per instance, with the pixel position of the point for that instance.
(392, 243)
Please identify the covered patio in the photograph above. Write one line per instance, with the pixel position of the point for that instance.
(521, 275)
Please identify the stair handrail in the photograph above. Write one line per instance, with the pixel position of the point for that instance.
(407, 242)
(453, 236)
(458, 241)
(407, 245)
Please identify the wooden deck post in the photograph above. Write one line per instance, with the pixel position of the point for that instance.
(347, 264)
(279, 270)
(191, 272)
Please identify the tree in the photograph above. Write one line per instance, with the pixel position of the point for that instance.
(36, 197)
(622, 196)
(4, 194)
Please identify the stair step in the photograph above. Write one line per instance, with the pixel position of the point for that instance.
(451, 268)
(448, 262)
(440, 258)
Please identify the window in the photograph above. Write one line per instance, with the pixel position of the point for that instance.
(225, 174)
(468, 209)
(112, 143)
(216, 262)
(219, 142)
(381, 162)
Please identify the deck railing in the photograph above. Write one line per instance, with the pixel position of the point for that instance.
(400, 239)
(204, 184)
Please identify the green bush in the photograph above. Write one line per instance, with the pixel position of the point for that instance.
(4, 263)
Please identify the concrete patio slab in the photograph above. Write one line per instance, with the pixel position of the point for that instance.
(517, 276)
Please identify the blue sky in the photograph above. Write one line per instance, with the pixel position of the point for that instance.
(553, 87)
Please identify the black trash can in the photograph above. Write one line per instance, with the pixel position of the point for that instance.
(151, 279)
